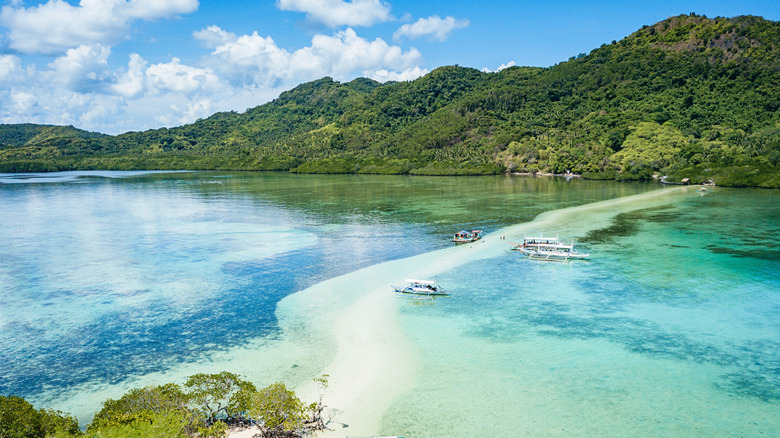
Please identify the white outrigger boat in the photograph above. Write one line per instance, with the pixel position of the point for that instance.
(427, 288)
(548, 248)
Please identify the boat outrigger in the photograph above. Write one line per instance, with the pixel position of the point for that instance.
(464, 236)
(420, 288)
(548, 248)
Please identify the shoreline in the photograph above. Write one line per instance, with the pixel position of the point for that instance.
(373, 363)
(349, 327)
(566, 175)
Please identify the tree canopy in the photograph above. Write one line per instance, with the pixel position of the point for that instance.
(19, 419)
(206, 405)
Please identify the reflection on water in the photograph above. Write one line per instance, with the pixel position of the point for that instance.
(669, 329)
(107, 275)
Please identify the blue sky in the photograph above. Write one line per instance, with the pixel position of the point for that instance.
(119, 65)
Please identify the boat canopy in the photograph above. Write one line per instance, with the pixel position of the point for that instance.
(541, 239)
(409, 280)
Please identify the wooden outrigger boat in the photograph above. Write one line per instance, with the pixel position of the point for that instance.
(464, 236)
(548, 248)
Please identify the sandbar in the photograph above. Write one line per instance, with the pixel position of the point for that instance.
(374, 363)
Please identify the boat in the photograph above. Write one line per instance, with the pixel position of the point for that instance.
(464, 236)
(425, 288)
(548, 248)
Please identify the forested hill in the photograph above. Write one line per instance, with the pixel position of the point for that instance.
(30, 134)
(688, 97)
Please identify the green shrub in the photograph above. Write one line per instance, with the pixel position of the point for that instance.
(19, 419)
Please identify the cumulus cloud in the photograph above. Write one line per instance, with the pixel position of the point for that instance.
(55, 26)
(179, 78)
(82, 69)
(132, 82)
(406, 75)
(191, 110)
(434, 27)
(23, 102)
(10, 67)
(214, 36)
(83, 86)
(253, 59)
(80, 89)
(500, 67)
(334, 13)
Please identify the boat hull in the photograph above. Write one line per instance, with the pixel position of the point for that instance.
(552, 255)
(424, 292)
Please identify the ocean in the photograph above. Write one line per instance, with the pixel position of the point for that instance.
(113, 280)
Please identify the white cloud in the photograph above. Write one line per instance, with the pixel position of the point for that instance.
(434, 27)
(162, 78)
(80, 89)
(133, 82)
(55, 26)
(97, 110)
(214, 36)
(406, 75)
(500, 67)
(83, 69)
(192, 111)
(10, 67)
(253, 59)
(334, 13)
(173, 76)
(245, 58)
(156, 9)
(23, 102)
(84, 87)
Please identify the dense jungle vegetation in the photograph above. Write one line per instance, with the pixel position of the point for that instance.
(689, 97)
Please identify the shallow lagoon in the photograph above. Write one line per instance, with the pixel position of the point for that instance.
(112, 280)
(671, 329)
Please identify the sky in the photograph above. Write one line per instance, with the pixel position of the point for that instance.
(114, 66)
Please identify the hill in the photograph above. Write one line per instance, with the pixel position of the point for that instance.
(30, 134)
(688, 97)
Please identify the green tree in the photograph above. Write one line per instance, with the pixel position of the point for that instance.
(168, 424)
(649, 147)
(278, 408)
(280, 413)
(220, 397)
(19, 419)
(208, 406)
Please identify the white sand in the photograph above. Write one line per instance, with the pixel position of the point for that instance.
(374, 364)
(244, 433)
(347, 327)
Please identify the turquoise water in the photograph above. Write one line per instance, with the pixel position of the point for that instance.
(671, 329)
(111, 280)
